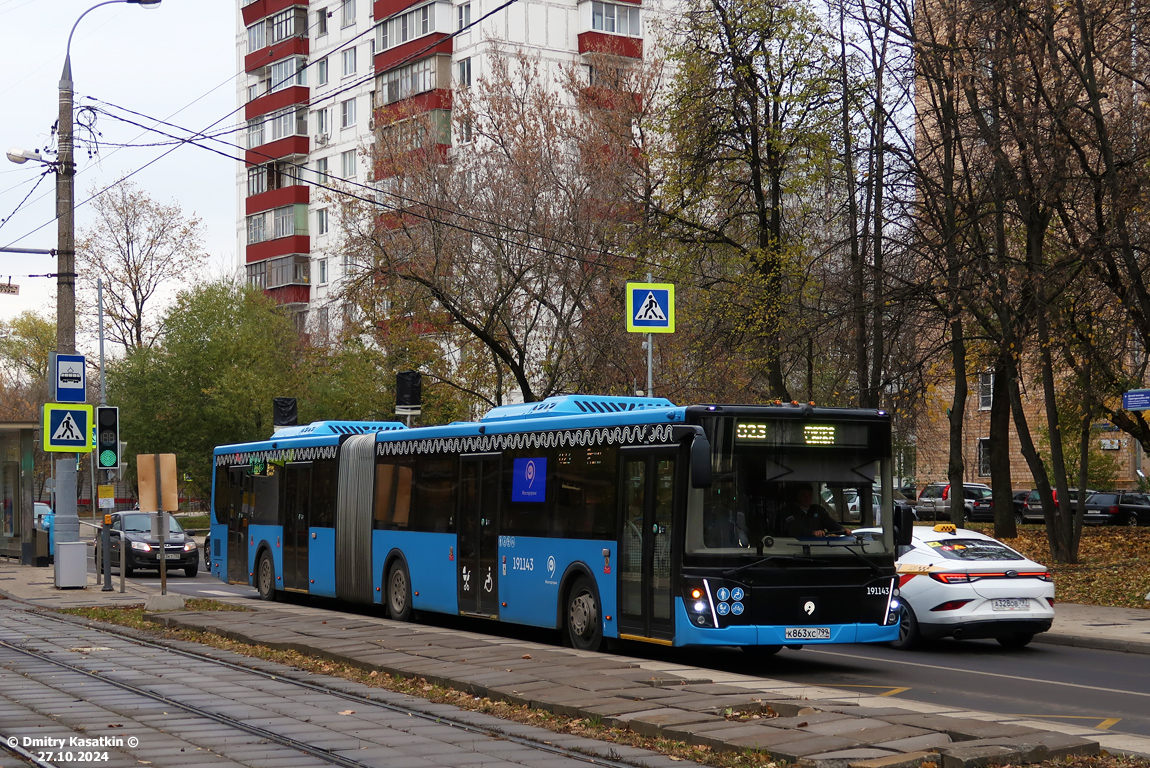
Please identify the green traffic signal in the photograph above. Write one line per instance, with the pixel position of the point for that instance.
(108, 436)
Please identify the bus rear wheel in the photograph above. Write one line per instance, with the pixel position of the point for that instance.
(398, 592)
(266, 577)
(584, 624)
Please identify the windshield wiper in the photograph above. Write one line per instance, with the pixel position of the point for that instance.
(741, 568)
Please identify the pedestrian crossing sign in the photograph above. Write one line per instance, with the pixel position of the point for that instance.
(651, 307)
(67, 428)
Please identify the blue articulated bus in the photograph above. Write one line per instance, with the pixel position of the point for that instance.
(602, 517)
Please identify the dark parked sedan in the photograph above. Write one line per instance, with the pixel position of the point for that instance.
(1118, 508)
(983, 508)
(180, 550)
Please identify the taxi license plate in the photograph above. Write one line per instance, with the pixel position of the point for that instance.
(171, 556)
(1010, 604)
(808, 633)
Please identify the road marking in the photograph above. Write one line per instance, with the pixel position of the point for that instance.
(890, 691)
(935, 668)
(1104, 723)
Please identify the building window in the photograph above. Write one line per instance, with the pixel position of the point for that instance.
(321, 22)
(285, 24)
(985, 391)
(347, 114)
(465, 73)
(463, 16)
(464, 131)
(321, 170)
(288, 122)
(349, 62)
(619, 19)
(256, 37)
(274, 273)
(283, 222)
(347, 13)
(257, 180)
(257, 228)
(321, 270)
(255, 132)
(323, 122)
(286, 73)
(321, 72)
(406, 26)
(347, 164)
(984, 457)
(321, 226)
(406, 81)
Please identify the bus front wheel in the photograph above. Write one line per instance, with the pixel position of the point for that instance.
(398, 592)
(584, 625)
(266, 577)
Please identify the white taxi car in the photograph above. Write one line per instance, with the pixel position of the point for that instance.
(966, 585)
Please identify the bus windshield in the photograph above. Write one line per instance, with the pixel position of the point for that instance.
(785, 499)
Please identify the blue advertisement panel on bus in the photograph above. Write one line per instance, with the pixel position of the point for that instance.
(600, 517)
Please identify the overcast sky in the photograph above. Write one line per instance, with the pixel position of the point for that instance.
(176, 62)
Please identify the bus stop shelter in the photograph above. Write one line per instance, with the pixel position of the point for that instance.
(18, 535)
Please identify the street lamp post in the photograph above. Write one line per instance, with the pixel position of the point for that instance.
(67, 524)
(65, 198)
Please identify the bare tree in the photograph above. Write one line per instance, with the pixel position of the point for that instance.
(138, 247)
(497, 246)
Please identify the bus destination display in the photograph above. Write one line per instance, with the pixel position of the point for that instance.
(791, 433)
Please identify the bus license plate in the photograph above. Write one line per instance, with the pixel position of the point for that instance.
(808, 633)
(171, 557)
(1010, 604)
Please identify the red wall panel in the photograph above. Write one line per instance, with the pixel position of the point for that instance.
(277, 198)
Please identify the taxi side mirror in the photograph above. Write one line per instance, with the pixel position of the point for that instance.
(903, 526)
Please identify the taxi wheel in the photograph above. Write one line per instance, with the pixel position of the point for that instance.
(1017, 640)
(908, 634)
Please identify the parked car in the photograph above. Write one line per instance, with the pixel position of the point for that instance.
(1117, 508)
(1032, 507)
(180, 550)
(983, 508)
(851, 498)
(966, 585)
(934, 501)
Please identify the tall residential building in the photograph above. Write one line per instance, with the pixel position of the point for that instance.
(317, 71)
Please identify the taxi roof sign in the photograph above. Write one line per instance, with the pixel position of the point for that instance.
(650, 307)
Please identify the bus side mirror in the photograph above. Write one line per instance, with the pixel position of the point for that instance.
(700, 453)
(903, 526)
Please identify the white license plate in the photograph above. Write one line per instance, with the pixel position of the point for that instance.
(1010, 604)
(808, 633)
(171, 557)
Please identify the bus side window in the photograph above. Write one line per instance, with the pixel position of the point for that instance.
(324, 478)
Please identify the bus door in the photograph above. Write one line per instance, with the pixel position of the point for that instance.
(239, 512)
(644, 588)
(478, 571)
(297, 494)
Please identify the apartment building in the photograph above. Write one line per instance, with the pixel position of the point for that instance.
(316, 74)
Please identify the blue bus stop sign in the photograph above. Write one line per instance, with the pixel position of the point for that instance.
(69, 382)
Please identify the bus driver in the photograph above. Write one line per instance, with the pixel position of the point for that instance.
(803, 517)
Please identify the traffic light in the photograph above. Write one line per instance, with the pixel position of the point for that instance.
(107, 437)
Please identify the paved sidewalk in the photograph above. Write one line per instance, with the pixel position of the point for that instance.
(823, 727)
